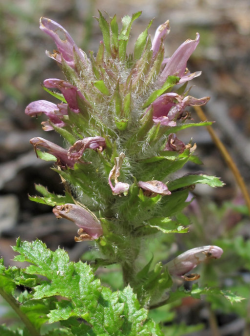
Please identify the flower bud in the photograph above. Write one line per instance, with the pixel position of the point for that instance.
(90, 227)
(188, 260)
(153, 188)
(60, 153)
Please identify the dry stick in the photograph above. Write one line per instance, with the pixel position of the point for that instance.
(226, 157)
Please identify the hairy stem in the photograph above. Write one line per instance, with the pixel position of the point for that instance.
(15, 306)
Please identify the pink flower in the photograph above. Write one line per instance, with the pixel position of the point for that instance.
(53, 111)
(120, 187)
(90, 227)
(170, 106)
(177, 63)
(174, 144)
(161, 32)
(69, 91)
(60, 153)
(76, 151)
(188, 260)
(154, 188)
(66, 47)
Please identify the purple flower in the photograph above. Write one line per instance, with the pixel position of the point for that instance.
(120, 187)
(177, 63)
(76, 151)
(54, 112)
(60, 153)
(188, 260)
(66, 47)
(174, 144)
(70, 92)
(170, 106)
(90, 227)
(153, 188)
(161, 32)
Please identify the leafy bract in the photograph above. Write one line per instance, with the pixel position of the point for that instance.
(188, 180)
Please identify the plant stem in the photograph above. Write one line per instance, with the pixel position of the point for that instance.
(226, 157)
(15, 306)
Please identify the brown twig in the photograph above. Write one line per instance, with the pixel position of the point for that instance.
(226, 157)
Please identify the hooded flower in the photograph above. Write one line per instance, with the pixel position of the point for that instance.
(120, 187)
(174, 144)
(161, 32)
(170, 106)
(177, 63)
(76, 151)
(188, 260)
(60, 153)
(69, 91)
(66, 47)
(153, 188)
(53, 111)
(90, 227)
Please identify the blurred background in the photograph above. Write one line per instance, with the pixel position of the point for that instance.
(217, 215)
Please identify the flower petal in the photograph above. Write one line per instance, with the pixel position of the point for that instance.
(76, 151)
(69, 91)
(65, 47)
(178, 61)
(174, 144)
(161, 32)
(120, 187)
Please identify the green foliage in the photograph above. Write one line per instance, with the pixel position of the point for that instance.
(50, 198)
(102, 311)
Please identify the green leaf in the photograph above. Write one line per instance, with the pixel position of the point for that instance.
(115, 32)
(100, 85)
(167, 225)
(188, 180)
(105, 32)
(105, 313)
(45, 156)
(170, 82)
(124, 34)
(55, 94)
(50, 198)
(178, 128)
(141, 42)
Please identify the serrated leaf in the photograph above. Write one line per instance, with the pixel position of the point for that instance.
(188, 180)
(170, 82)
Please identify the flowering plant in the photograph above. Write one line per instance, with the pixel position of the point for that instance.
(119, 115)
